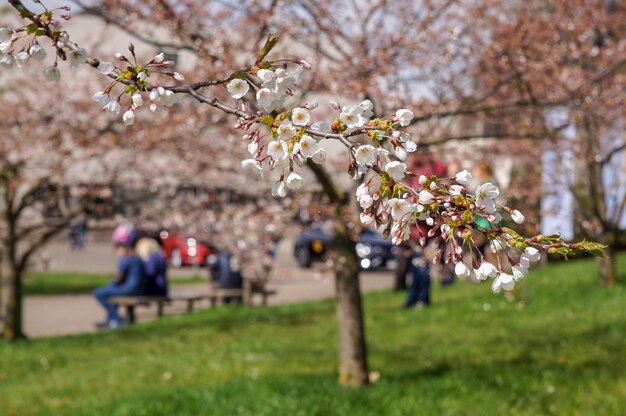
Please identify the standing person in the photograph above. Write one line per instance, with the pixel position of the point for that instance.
(419, 291)
(130, 278)
(156, 266)
(78, 232)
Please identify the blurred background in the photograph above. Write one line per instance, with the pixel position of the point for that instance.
(527, 95)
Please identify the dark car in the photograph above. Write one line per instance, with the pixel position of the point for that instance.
(372, 250)
(186, 250)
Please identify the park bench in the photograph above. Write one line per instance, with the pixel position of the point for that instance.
(130, 302)
(218, 296)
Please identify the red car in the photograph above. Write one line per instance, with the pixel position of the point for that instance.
(185, 250)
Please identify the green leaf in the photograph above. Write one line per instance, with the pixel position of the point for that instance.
(267, 48)
(593, 248)
(31, 29)
(510, 232)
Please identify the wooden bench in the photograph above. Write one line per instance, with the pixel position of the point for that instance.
(130, 302)
(217, 295)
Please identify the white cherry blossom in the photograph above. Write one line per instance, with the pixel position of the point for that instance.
(286, 130)
(106, 67)
(277, 149)
(461, 270)
(252, 166)
(6, 34)
(155, 97)
(265, 99)
(503, 281)
(396, 170)
(352, 116)
(319, 156)
(366, 219)
(485, 270)
(366, 201)
(404, 116)
(533, 254)
(300, 116)
(519, 272)
(128, 117)
(487, 191)
(365, 155)
(399, 208)
(279, 190)
(463, 177)
(21, 58)
(266, 76)
(517, 216)
(308, 146)
(6, 61)
(368, 108)
(294, 181)
(238, 88)
(456, 190)
(52, 73)
(78, 57)
(486, 195)
(410, 146)
(169, 98)
(113, 107)
(253, 147)
(37, 52)
(101, 98)
(137, 99)
(322, 126)
(425, 197)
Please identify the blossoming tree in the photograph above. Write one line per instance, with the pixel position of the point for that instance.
(282, 136)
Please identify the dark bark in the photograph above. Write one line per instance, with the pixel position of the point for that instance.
(10, 302)
(607, 270)
(352, 350)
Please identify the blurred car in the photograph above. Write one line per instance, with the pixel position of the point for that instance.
(372, 250)
(186, 250)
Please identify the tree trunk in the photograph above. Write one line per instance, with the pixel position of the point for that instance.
(607, 271)
(10, 302)
(352, 351)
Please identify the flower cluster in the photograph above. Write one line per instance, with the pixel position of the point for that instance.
(442, 210)
(275, 85)
(18, 46)
(136, 79)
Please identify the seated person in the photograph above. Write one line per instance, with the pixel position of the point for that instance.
(130, 279)
(225, 273)
(156, 266)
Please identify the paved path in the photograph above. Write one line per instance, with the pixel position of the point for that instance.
(71, 314)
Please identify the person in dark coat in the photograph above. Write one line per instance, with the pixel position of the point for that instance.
(156, 266)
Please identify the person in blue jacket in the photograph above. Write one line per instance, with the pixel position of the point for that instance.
(130, 278)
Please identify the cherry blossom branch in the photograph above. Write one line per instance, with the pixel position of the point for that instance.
(391, 198)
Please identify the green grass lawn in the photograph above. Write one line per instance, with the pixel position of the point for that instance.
(58, 283)
(471, 353)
